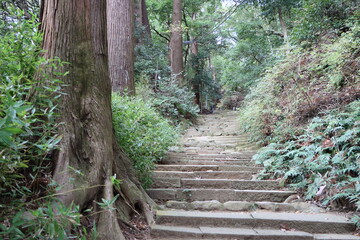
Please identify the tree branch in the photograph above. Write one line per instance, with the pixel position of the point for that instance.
(161, 35)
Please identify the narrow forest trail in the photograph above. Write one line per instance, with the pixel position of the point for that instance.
(208, 190)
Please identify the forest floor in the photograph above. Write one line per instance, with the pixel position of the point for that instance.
(207, 188)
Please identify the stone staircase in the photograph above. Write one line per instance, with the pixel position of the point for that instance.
(207, 189)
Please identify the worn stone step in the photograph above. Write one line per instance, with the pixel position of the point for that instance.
(221, 157)
(244, 206)
(205, 174)
(231, 184)
(221, 195)
(245, 163)
(175, 232)
(209, 144)
(335, 237)
(219, 154)
(311, 223)
(192, 168)
(171, 182)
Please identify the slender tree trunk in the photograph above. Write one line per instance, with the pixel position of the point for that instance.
(196, 81)
(142, 20)
(283, 26)
(75, 31)
(176, 54)
(145, 18)
(120, 25)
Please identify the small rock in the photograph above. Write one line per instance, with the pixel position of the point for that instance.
(239, 206)
(207, 205)
(306, 207)
(178, 205)
(276, 207)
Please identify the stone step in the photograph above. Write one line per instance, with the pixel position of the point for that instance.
(335, 237)
(175, 232)
(226, 146)
(247, 175)
(215, 183)
(311, 223)
(214, 205)
(193, 168)
(244, 163)
(221, 195)
(210, 156)
(215, 142)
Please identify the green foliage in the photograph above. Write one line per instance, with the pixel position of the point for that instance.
(27, 112)
(323, 163)
(200, 77)
(51, 221)
(28, 123)
(251, 49)
(142, 132)
(314, 18)
(152, 61)
(300, 87)
(174, 102)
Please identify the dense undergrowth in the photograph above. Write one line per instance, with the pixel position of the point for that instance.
(304, 84)
(323, 163)
(28, 123)
(142, 132)
(306, 111)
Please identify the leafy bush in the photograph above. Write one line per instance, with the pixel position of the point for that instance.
(174, 102)
(323, 163)
(142, 132)
(27, 112)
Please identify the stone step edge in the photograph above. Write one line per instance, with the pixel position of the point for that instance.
(222, 195)
(223, 232)
(209, 162)
(221, 189)
(214, 205)
(245, 175)
(190, 183)
(335, 237)
(312, 223)
(198, 167)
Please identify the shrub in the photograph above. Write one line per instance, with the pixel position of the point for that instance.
(142, 132)
(174, 102)
(323, 163)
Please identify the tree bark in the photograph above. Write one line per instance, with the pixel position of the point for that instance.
(196, 81)
(176, 54)
(142, 20)
(120, 25)
(75, 31)
(283, 26)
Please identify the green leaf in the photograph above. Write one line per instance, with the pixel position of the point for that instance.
(12, 130)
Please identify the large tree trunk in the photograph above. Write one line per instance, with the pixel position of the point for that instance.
(120, 20)
(176, 54)
(75, 31)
